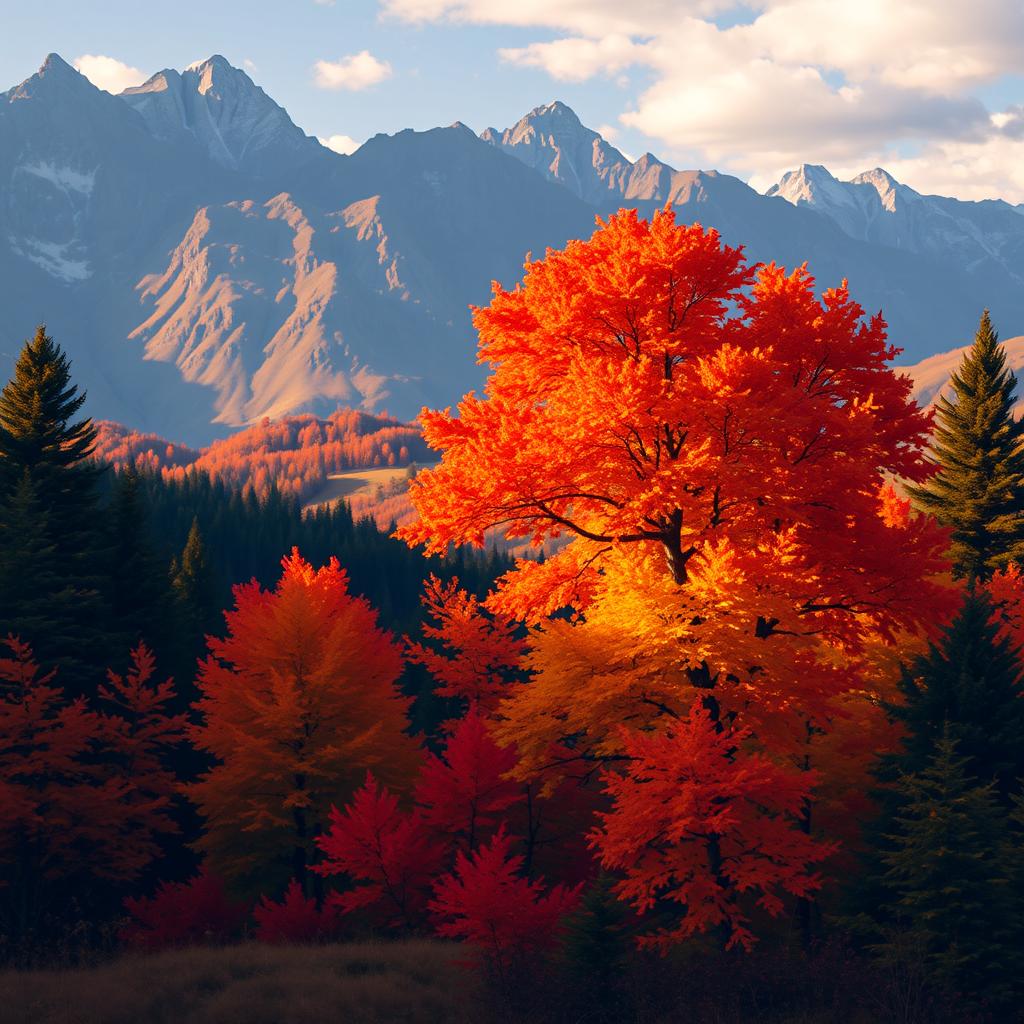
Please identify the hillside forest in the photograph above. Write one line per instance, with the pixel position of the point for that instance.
(746, 696)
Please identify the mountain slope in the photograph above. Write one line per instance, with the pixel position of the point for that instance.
(195, 294)
(207, 264)
(981, 237)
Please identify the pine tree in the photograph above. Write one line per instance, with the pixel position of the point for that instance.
(32, 603)
(970, 685)
(949, 876)
(45, 466)
(194, 584)
(36, 409)
(140, 596)
(979, 487)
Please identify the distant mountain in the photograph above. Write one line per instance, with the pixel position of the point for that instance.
(982, 237)
(206, 263)
(236, 122)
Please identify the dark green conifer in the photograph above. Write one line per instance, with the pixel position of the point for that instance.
(140, 594)
(194, 585)
(979, 447)
(45, 465)
(969, 684)
(949, 877)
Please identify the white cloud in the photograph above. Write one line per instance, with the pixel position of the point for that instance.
(343, 144)
(109, 73)
(787, 81)
(576, 59)
(354, 72)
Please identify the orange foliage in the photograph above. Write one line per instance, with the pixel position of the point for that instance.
(717, 457)
(295, 453)
(474, 656)
(714, 441)
(298, 701)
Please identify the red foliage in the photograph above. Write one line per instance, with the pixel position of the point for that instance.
(56, 807)
(487, 903)
(138, 735)
(295, 453)
(699, 821)
(295, 918)
(387, 850)
(464, 793)
(1006, 591)
(474, 655)
(182, 913)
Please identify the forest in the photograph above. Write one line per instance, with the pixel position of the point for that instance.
(742, 738)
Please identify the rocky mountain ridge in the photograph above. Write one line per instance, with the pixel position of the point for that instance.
(206, 263)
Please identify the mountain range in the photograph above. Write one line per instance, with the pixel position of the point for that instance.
(206, 263)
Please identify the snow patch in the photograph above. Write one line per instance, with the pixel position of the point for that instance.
(67, 179)
(54, 259)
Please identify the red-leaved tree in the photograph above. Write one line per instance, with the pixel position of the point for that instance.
(486, 902)
(701, 822)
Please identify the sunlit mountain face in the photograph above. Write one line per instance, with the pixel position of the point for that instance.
(206, 263)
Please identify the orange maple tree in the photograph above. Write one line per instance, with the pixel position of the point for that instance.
(714, 441)
(298, 701)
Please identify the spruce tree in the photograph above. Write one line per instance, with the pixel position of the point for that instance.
(969, 684)
(194, 585)
(140, 593)
(45, 464)
(949, 877)
(978, 490)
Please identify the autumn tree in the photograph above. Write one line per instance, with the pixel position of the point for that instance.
(979, 450)
(298, 701)
(465, 793)
(472, 656)
(141, 734)
(713, 442)
(486, 902)
(699, 822)
(84, 795)
(388, 854)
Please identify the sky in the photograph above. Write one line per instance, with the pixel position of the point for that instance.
(932, 90)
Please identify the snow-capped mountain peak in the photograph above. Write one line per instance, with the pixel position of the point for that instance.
(230, 116)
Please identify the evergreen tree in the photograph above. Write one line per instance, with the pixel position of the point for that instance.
(34, 602)
(949, 878)
(970, 685)
(979, 488)
(45, 466)
(140, 595)
(194, 585)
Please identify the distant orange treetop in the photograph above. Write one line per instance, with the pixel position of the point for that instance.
(294, 453)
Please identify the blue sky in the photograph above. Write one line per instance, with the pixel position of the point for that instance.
(931, 91)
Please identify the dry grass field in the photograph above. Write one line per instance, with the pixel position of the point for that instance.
(414, 982)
